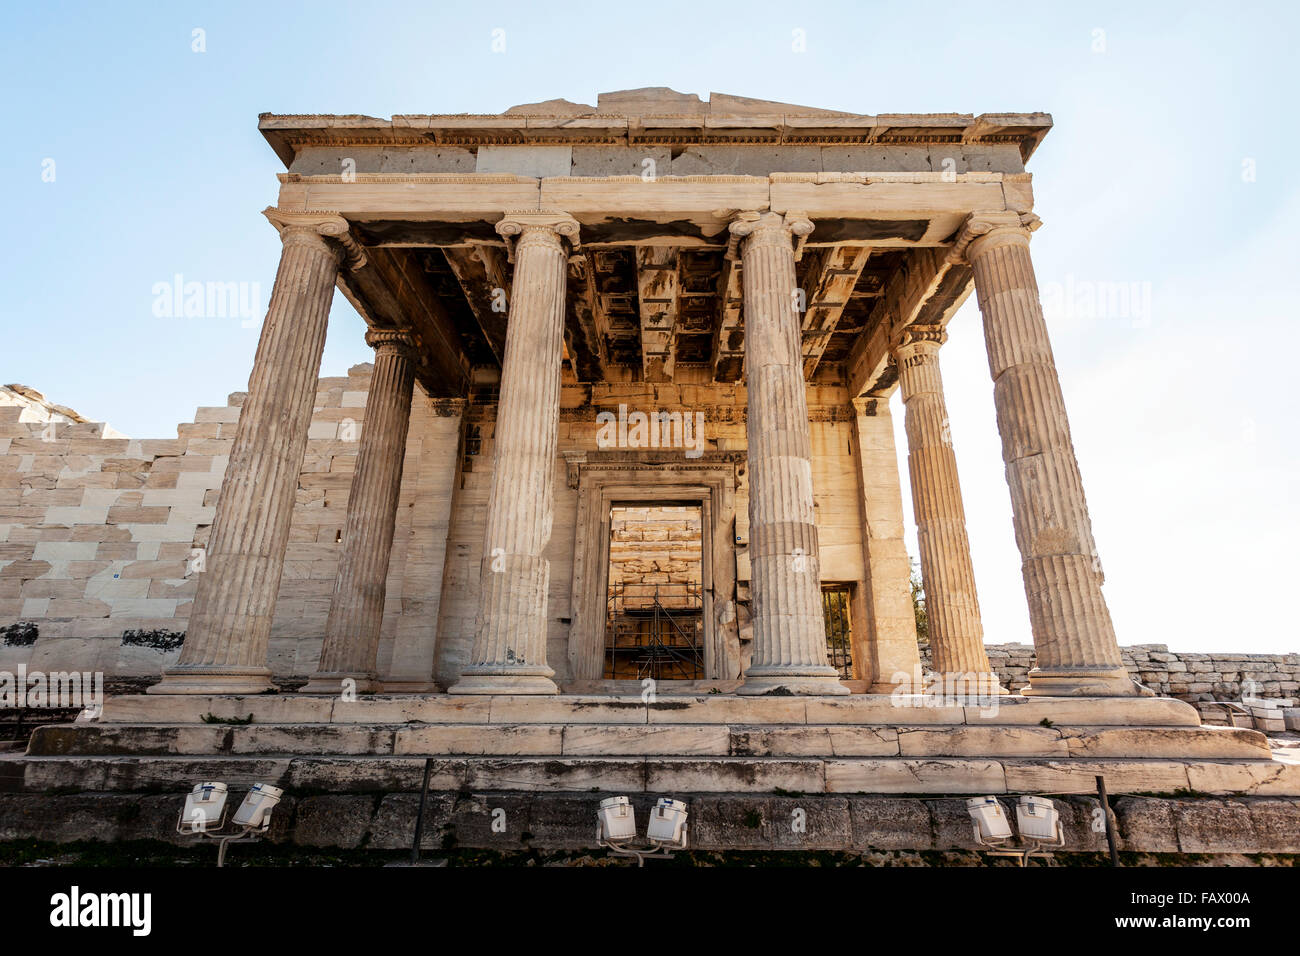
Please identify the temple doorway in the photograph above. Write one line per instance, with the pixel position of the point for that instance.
(654, 607)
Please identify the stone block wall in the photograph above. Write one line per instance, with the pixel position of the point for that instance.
(99, 536)
(912, 830)
(102, 536)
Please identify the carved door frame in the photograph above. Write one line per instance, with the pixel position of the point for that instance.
(606, 478)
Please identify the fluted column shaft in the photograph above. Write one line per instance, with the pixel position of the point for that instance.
(1074, 638)
(226, 640)
(789, 625)
(356, 613)
(951, 605)
(509, 652)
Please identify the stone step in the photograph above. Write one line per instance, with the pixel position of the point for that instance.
(875, 709)
(659, 775)
(668, 740)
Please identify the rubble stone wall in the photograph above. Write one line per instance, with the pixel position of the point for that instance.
(1187, 676)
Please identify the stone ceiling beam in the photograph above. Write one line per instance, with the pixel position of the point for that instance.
(926, 290)
(728, 331)
(658, 283)
(586, 326)
(831, 277)
(397, 284)
(481, 272)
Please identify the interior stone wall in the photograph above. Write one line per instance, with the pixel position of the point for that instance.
(655, 549)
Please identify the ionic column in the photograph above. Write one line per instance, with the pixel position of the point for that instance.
(225, 650)
(509, 653)
(1074, 638)
(951, 606)
(357, 608)
(789, 627)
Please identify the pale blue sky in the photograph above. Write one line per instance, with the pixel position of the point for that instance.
(1183, 414)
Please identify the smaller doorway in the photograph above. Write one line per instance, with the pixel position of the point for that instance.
(654, 607)
(836, 602)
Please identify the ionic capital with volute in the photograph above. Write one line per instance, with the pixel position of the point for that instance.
(983, 230)
(919, 338)
(313, 225)
(395, 340)
(760, 227)
(546, 227)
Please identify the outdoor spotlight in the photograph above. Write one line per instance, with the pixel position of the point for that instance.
(205, 809)
(667, 823)
(616, 826)
(204, 815)
(254, 814)
(1038, 821)
(615, 822)
(991, 826)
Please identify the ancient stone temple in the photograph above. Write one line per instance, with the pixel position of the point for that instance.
(617, 507)
(654, 300)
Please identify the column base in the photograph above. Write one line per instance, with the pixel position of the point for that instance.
(500, 680)
(410, 685)
(332, 684)
(785, 682)
(965, 683)
(214, 680)
(887, 687)
(1083, 682)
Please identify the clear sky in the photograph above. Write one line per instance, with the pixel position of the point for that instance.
(1169, 175)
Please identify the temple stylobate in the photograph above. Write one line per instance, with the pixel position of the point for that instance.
(665, 333)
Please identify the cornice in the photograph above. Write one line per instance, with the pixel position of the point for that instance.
(289, 133)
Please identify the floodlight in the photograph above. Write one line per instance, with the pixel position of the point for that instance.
(616, 826)
(615, 821)
(204, 815)
(205, 809)
(1037, 819)
(667, 823)
(254, 813)
(989, 820)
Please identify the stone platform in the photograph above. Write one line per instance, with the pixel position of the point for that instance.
(865, 773)
(861, 744)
